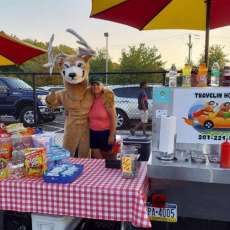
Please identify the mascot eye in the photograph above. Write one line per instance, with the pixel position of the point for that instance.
(66, 65)
(63, 72)
(80, 65)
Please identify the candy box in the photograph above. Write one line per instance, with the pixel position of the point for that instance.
(3, 168)
(35, 162)
(5, 146)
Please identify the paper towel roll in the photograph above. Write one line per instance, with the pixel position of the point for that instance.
(167, 134)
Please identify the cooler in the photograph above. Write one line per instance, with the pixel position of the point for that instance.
(46, 222)
(142, 143)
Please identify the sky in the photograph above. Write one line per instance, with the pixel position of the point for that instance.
(40, 19)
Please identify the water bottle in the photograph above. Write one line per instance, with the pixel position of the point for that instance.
(172, 75)
(186, 72)
(215, 74)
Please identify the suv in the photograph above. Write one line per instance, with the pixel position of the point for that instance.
(16, 99)
(127, 104)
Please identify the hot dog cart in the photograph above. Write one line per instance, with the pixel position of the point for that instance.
(190, 176)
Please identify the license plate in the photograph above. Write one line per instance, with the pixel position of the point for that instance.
(166, 214)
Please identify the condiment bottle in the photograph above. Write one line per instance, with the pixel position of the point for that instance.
(186, 72)
(226, 76)
(202, 75)
(194, 73)
(215, 75)
(225, 155)
(172, 75)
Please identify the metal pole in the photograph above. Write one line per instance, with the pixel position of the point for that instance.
(208, 8)
(189, 48)
(35, 100)
(107, 57)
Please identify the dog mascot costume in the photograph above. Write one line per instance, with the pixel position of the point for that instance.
(76, 98)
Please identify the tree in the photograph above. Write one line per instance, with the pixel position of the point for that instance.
(141, 59)
(215, 54)
(97, 64)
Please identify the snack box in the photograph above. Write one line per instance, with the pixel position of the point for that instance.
(64, 173)
(5, 146)
(35, 162)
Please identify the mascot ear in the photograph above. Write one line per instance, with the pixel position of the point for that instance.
(60, 61)
(86, 58)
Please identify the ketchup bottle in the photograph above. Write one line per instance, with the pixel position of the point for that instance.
(225, 155)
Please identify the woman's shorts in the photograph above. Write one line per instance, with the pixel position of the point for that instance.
(144, 116)
(99, 140)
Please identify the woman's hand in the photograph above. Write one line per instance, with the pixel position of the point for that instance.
(111, 139)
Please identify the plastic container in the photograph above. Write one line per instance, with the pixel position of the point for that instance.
(202, 75)
(21, 141)
(44, 222)
(215, 75)
(45, 140)
(56, 155)
(186, 72)
(129, 161)
(143, 145)
(225, 155)
(16, 169)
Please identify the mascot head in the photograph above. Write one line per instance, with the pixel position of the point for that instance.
(73, 68)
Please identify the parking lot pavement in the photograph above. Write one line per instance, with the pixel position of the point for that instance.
(57, 126)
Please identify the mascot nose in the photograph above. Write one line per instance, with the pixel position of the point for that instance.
(72, 75)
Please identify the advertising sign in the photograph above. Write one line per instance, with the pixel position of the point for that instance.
(203, 115)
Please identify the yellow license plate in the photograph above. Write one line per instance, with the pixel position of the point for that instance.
(166, 214)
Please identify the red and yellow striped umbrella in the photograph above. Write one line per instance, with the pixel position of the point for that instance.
(16, 52)
(165, 14)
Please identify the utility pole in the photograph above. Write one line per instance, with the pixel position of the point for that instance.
(189, 48)
(106, 35)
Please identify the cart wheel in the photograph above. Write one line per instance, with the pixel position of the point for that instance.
(208, 124)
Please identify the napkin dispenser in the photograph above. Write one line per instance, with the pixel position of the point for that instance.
(114, 164)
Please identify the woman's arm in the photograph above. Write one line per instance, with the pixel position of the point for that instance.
(113, 124)
(109, 103)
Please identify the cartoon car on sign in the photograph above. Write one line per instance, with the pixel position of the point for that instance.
(209, 116)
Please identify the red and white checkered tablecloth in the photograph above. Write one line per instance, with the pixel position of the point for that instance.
(99, 193)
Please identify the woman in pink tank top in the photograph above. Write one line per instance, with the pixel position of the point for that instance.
(102, 122)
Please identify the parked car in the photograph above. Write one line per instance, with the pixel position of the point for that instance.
(127, 104)
(51, 87)
(16, 99)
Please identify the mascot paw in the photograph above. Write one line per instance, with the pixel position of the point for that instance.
(51, 98)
